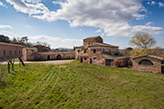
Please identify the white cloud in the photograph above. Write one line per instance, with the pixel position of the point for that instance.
(55, 41)
(30, 7)
(161, 4)
(44, 38)
(33, 1)
(5, 26)
(98, 31)
(28, 26)
(71, 40)
(151, 3)
(148, 3)
(102, 34)
(8, 32)
(80, 30)
(149, 23)
(1, 4)
(57, 2)
(112, 16)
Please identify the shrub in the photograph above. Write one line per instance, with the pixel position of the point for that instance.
(116, 63)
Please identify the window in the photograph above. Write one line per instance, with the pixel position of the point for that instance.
(94, 51)
(85, 58)
(88, 43)
(162, 62)
(4, 52)
(94, 58)
(145, 62)
(109, 50)
(19, 52)
(15, 52)
(10, 52)
(78, 51)
(103, 50)
(85, 51)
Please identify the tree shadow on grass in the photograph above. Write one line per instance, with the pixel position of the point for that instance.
(13, 72)
(2, 85)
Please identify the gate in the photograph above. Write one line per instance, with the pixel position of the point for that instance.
(162, 69)
(90, 60)
(109, 62)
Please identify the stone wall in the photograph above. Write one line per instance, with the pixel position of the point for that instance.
(30, 54)
(152, 68)
(8, 50)
(33, 54)
(94, 55)
(92, 40)
(56, 55)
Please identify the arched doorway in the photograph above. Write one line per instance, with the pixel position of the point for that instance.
(59, 56)
(48, 57)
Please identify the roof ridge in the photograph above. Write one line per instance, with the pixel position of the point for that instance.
(152, 56)
(92, 37)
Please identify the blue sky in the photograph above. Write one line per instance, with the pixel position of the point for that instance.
(64, 23)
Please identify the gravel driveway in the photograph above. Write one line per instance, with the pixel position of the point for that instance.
(49, 62)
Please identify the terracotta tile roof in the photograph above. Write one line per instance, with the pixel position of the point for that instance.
(151, 56)
(10, 44)
(79, 46)
(109, 56)
(102, 44)
(92, 37)
(31, 48)
(57, 52)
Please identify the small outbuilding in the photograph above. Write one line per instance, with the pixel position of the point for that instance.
(148, 63)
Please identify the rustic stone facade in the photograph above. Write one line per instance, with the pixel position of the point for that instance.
(156, 66)
(33, 54)
(29, 53)
(94, 51)
(9, 51)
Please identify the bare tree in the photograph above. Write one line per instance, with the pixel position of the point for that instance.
(143, 41)
(2, 71)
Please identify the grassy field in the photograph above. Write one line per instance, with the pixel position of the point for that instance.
(80, 85)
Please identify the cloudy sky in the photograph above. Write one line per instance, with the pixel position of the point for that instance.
(64, 23)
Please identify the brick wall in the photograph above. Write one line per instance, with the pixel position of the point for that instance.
(10, 50)
(152, 68)
(30, 54)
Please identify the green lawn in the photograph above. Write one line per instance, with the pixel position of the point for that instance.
(80, 85)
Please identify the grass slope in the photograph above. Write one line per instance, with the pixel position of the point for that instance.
(80, 85)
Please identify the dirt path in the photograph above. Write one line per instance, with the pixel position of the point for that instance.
(48, 62)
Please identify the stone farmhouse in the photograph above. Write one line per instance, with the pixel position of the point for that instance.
(148, 63)
(94, 51)
(10, 51)
(32, 54)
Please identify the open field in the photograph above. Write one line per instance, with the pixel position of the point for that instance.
(80, 85)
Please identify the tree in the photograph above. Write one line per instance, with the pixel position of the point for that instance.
(158, 51)
(14, 41)
(129, 48)
(140, 52)
(42, 46)
(4, 39)
(144, 41)
(22, 40)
